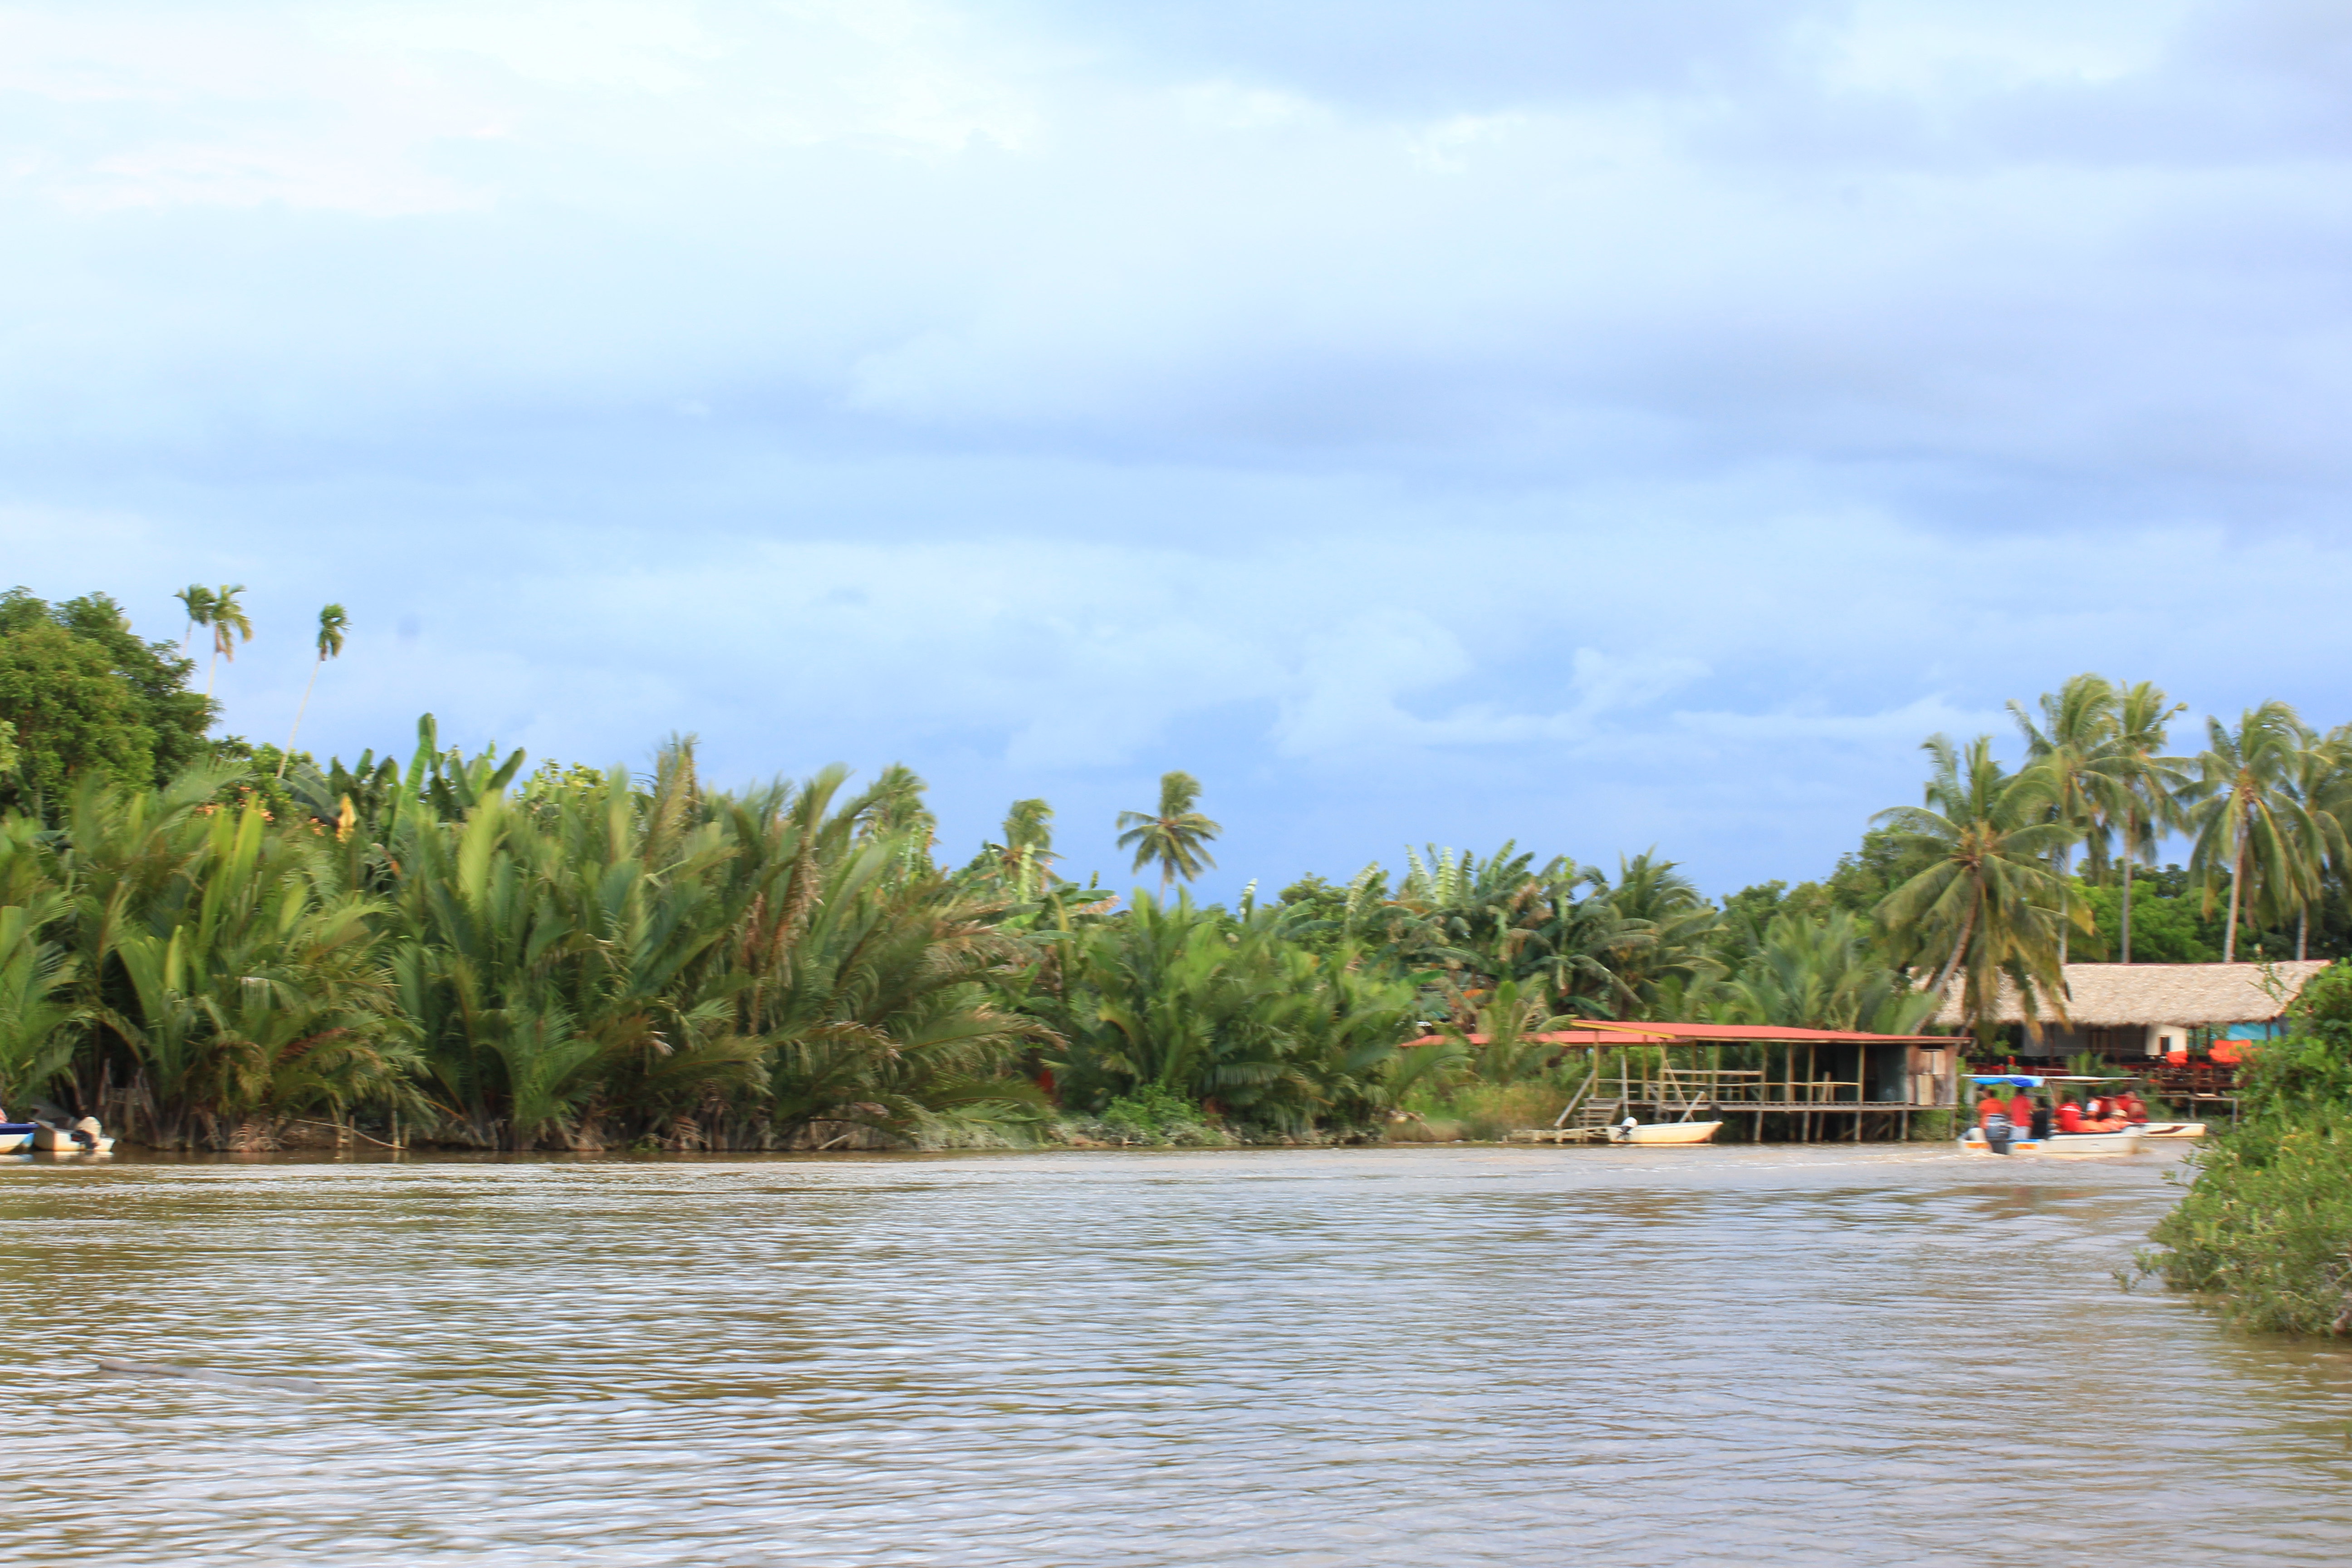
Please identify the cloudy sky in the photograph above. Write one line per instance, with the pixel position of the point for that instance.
(1595, 424)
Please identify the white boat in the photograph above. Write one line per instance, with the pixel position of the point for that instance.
(2071, 1144)
(15, 1135)
(1665, 1133)
(61, 1141)
(2124, 1142)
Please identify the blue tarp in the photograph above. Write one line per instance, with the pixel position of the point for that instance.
(2018, 1079)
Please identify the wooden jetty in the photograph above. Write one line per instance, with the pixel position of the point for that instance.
(1803, 1085)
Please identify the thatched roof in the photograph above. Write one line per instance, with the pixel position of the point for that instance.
(2113, 994)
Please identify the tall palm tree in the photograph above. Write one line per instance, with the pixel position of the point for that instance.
(2318, 790)
(197, 600)
(332, 623)
(228, 622)
(1022, 858)
(1990, 904)
(2078, 725)
(2242, 809)
(2138, 785)
(1177, 836)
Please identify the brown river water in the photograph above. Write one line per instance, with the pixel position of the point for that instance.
(1766, 1356)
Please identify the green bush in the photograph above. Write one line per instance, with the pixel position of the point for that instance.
(2265, 1227)
(1154, 1115)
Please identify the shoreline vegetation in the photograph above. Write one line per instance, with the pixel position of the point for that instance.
(2264, 1228)
(210, 943)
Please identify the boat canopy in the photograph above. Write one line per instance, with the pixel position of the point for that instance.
(2028, 1081)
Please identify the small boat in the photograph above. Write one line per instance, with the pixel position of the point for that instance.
(1665, 1133)
(17, 1135)
(1973, 1141)
(62, 1140)
(2124, 1142)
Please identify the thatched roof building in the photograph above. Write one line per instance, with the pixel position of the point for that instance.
(2150, 1006)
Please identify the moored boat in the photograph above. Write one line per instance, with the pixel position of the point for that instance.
(68, 1140)
(17, 1135)
(1665, 1133)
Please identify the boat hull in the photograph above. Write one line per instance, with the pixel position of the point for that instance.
(60, 1141)
(2171, 1130)
(1669, 1132)
(2068, 1145)
(2078, 1143)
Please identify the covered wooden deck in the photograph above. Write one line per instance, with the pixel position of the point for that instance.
(1801, 1085)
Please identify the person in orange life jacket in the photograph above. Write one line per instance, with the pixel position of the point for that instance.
(2133, 1109)
(2070, 1115)
(2021, 1112)
(1992, 1117)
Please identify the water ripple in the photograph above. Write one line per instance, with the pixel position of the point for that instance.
(1781, 1356)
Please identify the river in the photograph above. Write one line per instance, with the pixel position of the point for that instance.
(1772, 1356)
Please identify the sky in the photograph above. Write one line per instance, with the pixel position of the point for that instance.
(1597, 425)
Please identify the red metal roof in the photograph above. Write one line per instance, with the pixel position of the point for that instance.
(1733, 1034)
(1625, 1035)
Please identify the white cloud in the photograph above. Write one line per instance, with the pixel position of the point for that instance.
(1477, 417)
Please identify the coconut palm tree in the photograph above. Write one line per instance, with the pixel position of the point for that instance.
(1177, 836)
(197, 600)
(332, 623)
(1023, 861)
(2137, 786)
(2078, 725)
(1990, 904)
(227, 619)
(2318, 790)
(2242, 809)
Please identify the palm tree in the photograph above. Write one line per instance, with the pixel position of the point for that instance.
(197, 600)
(2318, 790)
(1178, 836)
(332, 623)
(2244, 811)
(226, 618)
(2078, 723)
(1989, 903)
(2138, 785)
(1022, 859)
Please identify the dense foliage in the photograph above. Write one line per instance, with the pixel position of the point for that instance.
(209, 943)
(81, 695)
(2266, 1225)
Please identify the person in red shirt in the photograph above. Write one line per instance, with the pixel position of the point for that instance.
(2070, 1115)
(2021, 1112)
(1992, 1118)
(2133, 1109)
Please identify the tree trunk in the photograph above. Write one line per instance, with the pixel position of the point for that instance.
(305, 707)
(2130, 824)
(2066, 899)
(2302, 931)
(2229, 933)
(1967, 929)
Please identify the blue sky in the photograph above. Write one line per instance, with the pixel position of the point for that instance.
(1603, 426)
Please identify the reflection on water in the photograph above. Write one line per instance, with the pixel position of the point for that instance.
(1394, 1356)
